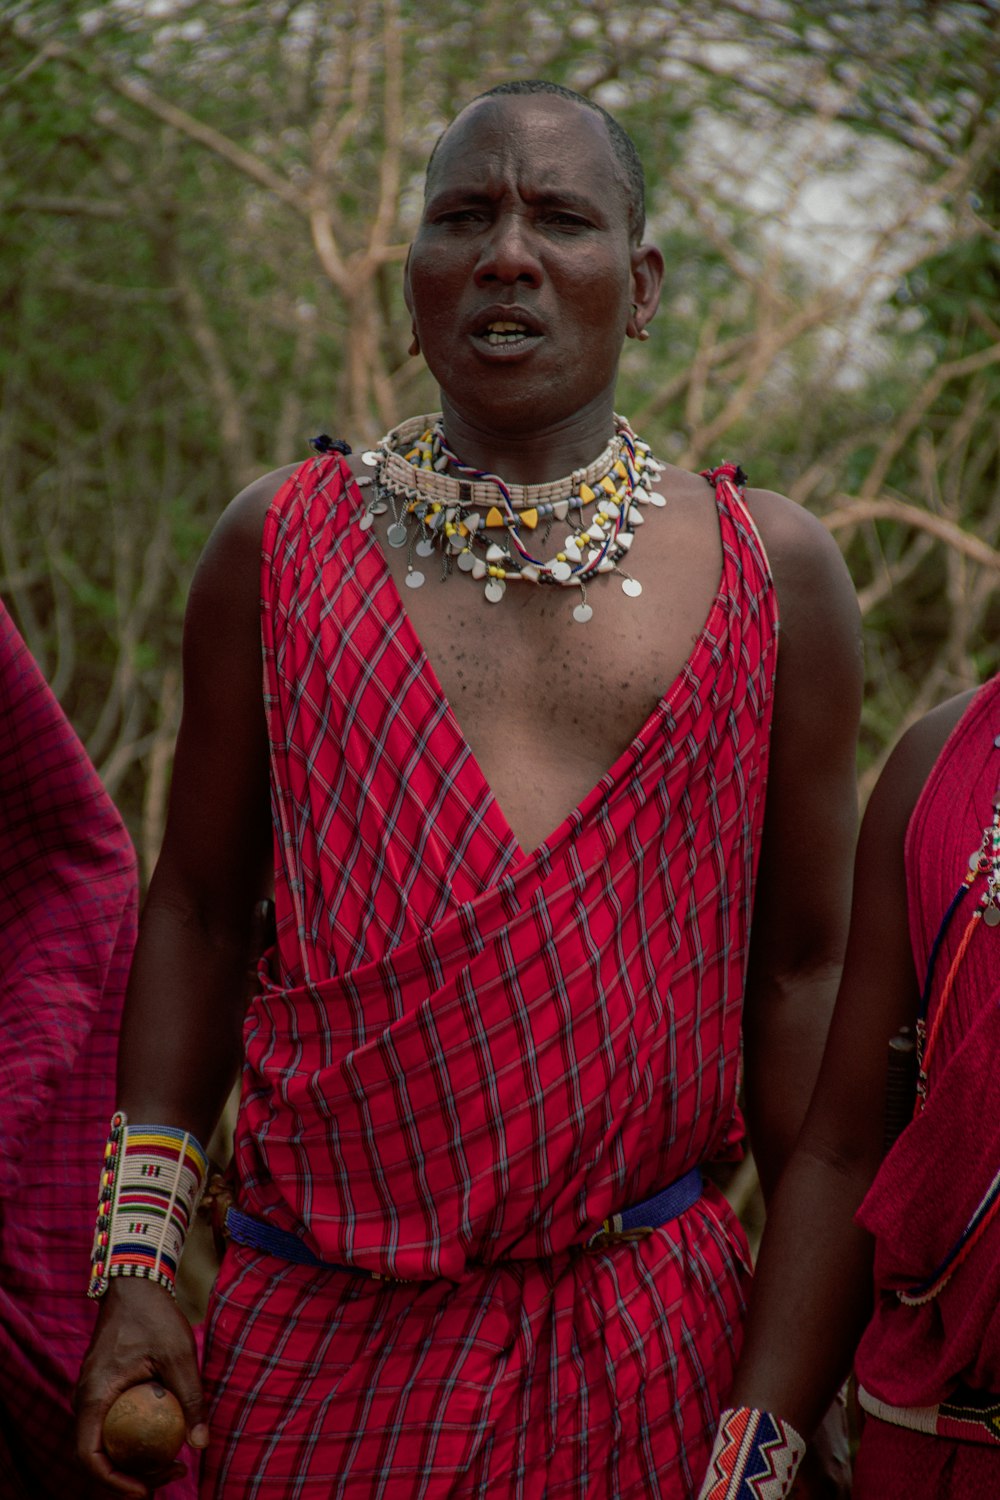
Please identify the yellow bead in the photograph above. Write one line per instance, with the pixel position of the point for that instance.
(529, 518)
(463, 530)
(494, 517)
(607, 483)
(561, 557)
(586, 493)
(621, 470)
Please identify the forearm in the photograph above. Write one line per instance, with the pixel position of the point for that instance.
(181, 1041)
(785, 1031)
(812, 1292)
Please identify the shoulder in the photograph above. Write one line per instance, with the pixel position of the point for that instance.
(803, 554)
(235, 541)
(242, 521)
(906, 772)
(820, 620)
(224, 598)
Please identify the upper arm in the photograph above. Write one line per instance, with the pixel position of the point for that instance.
(216, 854)
(802, 894)
(803, 885)
(880, 988)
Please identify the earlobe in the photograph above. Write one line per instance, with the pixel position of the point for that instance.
(647, 279)
(414, 343)
(633, 328)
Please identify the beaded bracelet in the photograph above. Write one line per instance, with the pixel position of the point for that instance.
(151, 1181)
(755, 1453)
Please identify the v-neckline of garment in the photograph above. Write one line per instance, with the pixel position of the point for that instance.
(608, 778)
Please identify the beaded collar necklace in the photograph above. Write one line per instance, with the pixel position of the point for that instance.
(453, 514)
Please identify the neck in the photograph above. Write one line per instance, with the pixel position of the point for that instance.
(530, 457)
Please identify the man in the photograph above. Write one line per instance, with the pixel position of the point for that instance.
(514, 851)
(923, 957)
(68, 903)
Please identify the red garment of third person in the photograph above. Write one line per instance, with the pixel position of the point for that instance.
(67, 926)
(466, 1057)
(934, 1351)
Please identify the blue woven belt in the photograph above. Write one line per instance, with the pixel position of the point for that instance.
(633, 1224)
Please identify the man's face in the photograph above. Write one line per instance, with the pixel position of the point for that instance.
(520, 279)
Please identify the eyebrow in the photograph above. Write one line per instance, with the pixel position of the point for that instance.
(543, 198)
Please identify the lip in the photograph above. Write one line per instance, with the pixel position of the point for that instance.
(515, 348)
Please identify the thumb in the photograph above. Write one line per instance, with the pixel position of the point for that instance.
(182, 1379)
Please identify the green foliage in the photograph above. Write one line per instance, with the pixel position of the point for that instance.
(173, 324)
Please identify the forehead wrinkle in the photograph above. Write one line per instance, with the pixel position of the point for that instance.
(518, 136)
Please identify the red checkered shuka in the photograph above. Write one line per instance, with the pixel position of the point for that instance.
(464, 1058)
(67, 926)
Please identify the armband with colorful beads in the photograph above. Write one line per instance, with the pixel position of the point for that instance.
(756, 1454)
(151, 1181)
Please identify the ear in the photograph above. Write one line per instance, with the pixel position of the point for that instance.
(647, 282)
(407, 294)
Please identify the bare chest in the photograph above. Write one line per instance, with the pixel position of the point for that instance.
(547, 705)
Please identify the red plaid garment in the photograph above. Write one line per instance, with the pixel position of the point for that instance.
(67, 925)
(464, 1058)
(945, 1162)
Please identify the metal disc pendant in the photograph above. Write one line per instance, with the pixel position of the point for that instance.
(414, 579)
(466, 562)
(495, 590)
(367, 521)
(991, 916)
(583, 613)
(378, 507)
(632, 587)
(396, 535)
(370, 457)
(560, 571)
(424, 548)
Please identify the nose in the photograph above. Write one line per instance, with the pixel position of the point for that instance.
(509, 253)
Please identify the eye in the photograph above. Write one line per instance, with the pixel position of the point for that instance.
(564, 219)
(459, 216)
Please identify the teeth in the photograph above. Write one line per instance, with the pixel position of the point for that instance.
(503, 332)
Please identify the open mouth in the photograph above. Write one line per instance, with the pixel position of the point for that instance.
(506, 333)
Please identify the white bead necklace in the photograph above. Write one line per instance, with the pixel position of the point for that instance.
(435, 511)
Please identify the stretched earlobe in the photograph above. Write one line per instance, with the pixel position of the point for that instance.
(414, 344)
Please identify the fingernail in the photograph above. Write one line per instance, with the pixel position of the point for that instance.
(199, 1436)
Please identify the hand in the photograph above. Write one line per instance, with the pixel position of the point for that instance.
(825, 1472)
(141, 1334)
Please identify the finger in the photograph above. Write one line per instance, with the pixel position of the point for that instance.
(164, 1476)
(181, 1377)
(125, 1485)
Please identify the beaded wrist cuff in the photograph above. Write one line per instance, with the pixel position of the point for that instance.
(755, 1453)
(151, 1182)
